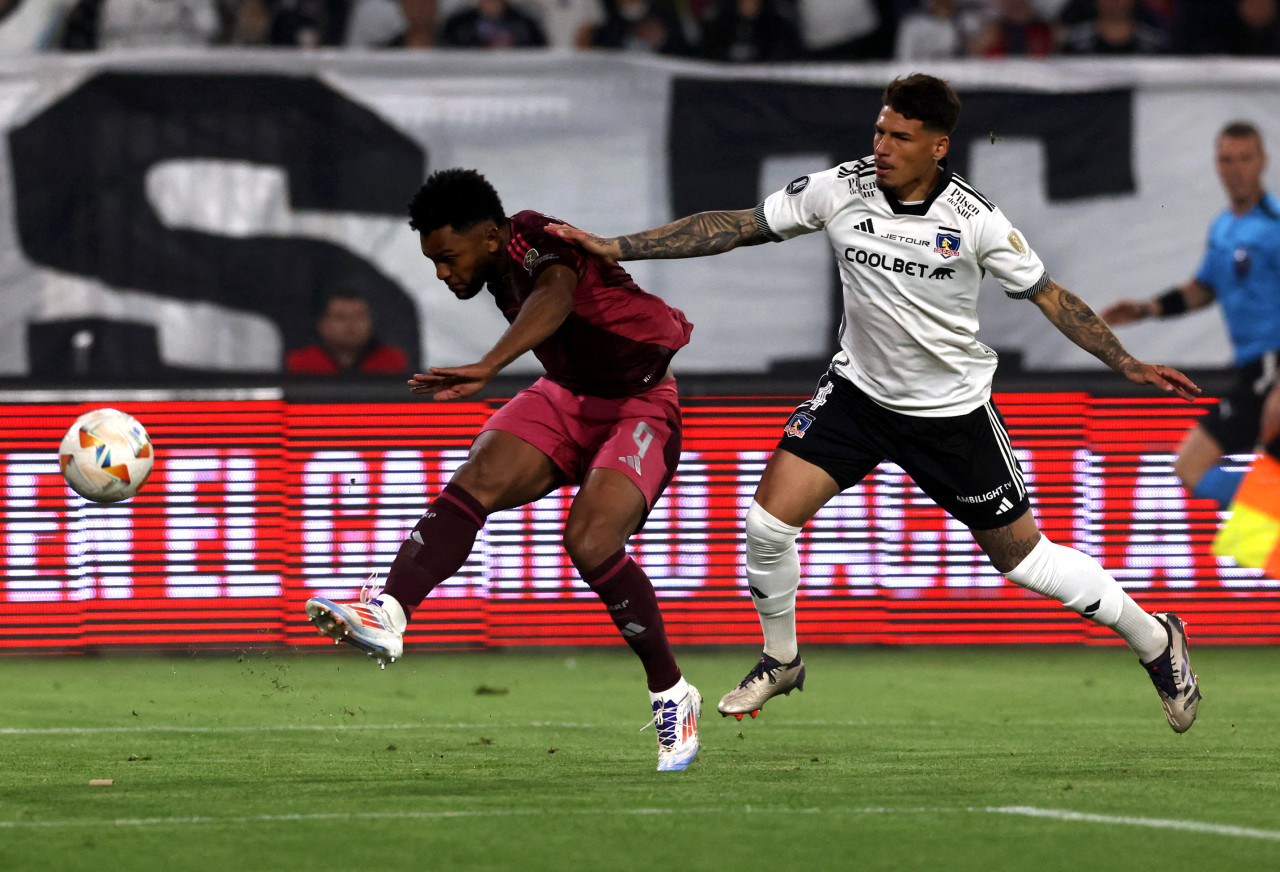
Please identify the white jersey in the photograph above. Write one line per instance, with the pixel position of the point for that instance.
(911, 274)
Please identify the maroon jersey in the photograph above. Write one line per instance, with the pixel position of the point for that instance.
(617, 340)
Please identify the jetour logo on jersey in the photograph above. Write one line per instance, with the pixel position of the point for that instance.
(947, 242)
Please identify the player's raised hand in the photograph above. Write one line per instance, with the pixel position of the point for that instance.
(1125, 312)
(452, 382)
(597, 245)
(1164, 377)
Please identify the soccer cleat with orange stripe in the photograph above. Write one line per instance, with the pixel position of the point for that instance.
(675, 715)
(372, 625)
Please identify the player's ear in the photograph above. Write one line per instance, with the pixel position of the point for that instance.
(492, 238)
(941, 146)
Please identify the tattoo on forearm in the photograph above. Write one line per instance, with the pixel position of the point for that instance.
(694, 236)
(1082, 326)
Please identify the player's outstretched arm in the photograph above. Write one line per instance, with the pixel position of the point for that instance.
(1073, 317)
(541, 315)
(1186, 297)
(695, 236)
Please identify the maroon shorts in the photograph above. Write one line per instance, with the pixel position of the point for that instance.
(639, 436)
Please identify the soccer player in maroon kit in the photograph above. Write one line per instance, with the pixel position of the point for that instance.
(605, 417)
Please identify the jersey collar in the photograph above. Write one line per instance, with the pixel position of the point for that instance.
(944, 179)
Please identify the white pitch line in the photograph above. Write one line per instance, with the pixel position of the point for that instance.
(160, 728)
(355, 817)
(1153, 823)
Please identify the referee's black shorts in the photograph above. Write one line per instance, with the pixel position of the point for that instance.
(1237, 419)
(965, 463)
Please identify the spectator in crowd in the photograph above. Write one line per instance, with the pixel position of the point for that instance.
(843, 30)
(391, 24)
(1016, 31)
(288, 23)
(1254, 31)
(30, 25)
(1114, 30)
(347, 342)
(1160, 14)
(1200, 25)
(749, 31)
(652, 26)
(491, 24)
(930, 34)
(107, 24)
(568, 23)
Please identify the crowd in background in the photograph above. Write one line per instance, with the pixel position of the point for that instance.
(725, 30)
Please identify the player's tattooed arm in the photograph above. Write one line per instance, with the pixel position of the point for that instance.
(1079, 323)
(1073, 317)
(694, 236)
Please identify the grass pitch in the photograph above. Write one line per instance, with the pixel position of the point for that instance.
(937, 758)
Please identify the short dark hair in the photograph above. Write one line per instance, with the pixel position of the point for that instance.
(324, 300)
(925, 98)
(455, 198)
(1241, 130)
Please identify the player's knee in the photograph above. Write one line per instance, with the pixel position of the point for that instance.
(589, 543)
(768, 539)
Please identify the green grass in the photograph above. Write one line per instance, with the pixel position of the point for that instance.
(890, 760)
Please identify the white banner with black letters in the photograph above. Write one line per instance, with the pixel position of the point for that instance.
(187, 211)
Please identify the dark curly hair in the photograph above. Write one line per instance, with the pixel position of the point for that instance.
(925, 98)
(455, 198)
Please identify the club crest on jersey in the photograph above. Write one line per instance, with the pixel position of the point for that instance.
(530, 258)
(797, 185)
(798, 425)
(947, 242)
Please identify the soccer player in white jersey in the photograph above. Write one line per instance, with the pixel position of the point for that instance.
(911, 383)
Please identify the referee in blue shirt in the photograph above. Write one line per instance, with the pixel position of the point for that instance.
(1241, 270)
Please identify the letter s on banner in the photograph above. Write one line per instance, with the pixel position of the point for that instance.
(80, 169)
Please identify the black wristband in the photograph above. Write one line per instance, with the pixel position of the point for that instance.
(1171, 302)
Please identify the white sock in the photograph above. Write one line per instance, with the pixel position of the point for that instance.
(773, 573)
(394, 611)
(1081, 584)
(676, 691)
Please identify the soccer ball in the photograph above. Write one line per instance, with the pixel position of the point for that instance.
(106, 456)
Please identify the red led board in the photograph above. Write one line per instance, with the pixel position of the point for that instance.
(256, 505)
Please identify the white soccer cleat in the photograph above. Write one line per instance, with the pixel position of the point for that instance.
(374, 625)
(767, 679)
(1175, 681)
(675, 715)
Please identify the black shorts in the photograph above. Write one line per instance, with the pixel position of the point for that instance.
(1237, 418)
(965, 463)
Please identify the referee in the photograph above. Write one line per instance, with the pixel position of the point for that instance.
(1241, 271)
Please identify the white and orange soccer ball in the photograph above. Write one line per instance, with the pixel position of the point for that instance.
(106, 456)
